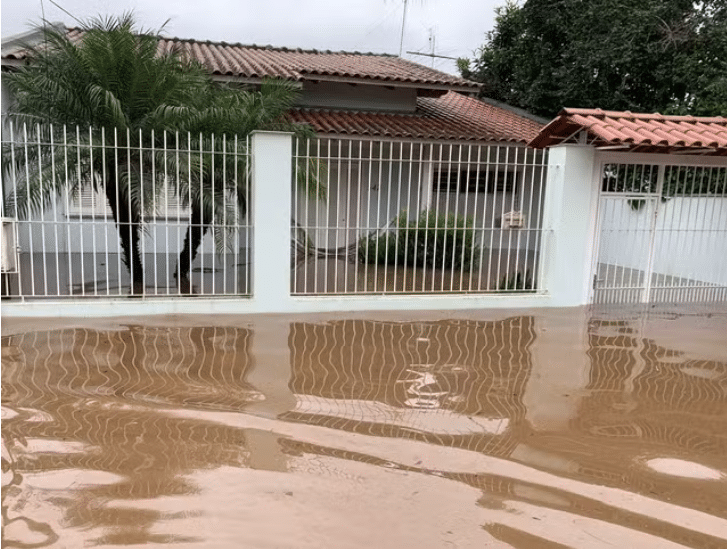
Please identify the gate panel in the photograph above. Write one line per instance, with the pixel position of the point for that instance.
(623, 254)
(662, 234)
(690, 236)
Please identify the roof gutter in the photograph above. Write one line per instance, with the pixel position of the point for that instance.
(468, 89)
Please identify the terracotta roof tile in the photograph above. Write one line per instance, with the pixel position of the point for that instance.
(256, 62)
(451, 117)
(641, 132)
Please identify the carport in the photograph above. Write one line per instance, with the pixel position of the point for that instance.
(645, 197)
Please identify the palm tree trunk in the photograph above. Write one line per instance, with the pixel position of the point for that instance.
(192, 240)
(129, 228)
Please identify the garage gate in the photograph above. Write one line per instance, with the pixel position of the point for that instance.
(662, 233)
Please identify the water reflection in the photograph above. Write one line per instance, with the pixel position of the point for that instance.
(80, 403)
(535, 429)
(456, 383)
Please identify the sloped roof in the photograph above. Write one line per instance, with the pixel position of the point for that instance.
(650, 133)
(450, 117)
(257, 62)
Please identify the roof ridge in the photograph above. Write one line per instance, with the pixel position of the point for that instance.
(269, 47)
(358, 112)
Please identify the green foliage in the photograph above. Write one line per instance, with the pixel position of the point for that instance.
(678, 180)
(431, 240)
(668, 56)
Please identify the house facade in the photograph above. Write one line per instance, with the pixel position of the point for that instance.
(432, 199)
(394, 138)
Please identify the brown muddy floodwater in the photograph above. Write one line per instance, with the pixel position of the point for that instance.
(557, 428)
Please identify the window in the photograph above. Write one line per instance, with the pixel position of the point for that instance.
(481, 181)
(91, 203)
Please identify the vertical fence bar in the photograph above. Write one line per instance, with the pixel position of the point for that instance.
(517, 201)
(378, 216)
(369, 230)
(399, 171)
(350, 216)
(294, 225)
(410, 177)
(125, 196)
(28, 196)
(153, 221)
(94, 213)
(359, 206)
(502, 199)
(387, 218)
(104, 179)
(244, 233)
(178, 225)
(419, 201)
(56, 199)
(466, 217)
(118, 206)
(14, 177)
(493, 170)
(475, 237)
(212, 222)
(69, 245)
(142, 217)
(167, 190)
(42, 223)
(200, 206)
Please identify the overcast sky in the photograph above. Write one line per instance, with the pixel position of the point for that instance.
(458, 26)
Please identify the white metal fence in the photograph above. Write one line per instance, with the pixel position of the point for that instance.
(91, 213)
(400, 217)
(663, 234)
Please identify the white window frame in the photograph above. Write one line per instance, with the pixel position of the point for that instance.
(90, 203)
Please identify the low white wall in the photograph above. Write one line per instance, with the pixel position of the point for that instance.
(690, 239)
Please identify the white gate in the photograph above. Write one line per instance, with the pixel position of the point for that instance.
(662, 233)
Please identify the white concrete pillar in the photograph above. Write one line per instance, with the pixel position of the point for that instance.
(569, 217)
(271, 213)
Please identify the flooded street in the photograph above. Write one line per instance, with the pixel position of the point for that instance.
(546, 428)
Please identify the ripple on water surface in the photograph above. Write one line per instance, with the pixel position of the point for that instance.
(558, 429)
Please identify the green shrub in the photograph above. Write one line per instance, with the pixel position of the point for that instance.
(375, 249)
(431, 240)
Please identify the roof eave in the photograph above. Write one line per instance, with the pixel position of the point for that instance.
(466, 88)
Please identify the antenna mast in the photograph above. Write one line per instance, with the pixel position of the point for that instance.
(403, 22)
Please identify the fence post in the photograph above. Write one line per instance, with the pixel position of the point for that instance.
(569, 219)
(271, 212)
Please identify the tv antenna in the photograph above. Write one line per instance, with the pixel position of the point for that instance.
(403, 22)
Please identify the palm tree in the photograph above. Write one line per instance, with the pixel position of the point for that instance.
(217, 191)
(116, 83)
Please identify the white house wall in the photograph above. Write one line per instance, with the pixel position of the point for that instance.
(76, 233)
(365, 195)
(362, 197)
